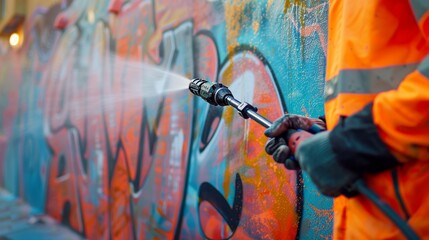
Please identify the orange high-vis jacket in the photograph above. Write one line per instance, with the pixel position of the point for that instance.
(378, 52)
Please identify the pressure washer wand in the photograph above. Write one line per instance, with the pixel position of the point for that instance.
(218, 94)
(248, 111)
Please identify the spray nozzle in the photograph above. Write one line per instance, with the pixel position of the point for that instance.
(213, 93)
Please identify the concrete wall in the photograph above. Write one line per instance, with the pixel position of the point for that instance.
(81, 141)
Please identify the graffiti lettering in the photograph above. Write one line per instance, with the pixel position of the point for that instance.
(230, 214)
(113, 163)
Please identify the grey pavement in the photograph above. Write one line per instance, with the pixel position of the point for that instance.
(20, 221)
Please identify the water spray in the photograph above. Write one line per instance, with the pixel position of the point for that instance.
(218, 94)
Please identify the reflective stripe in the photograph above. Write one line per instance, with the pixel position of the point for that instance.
(367, 81)
(424, 67)
(420, 7)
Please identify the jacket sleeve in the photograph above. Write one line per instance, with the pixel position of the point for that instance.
(395, 126)
(402, 116)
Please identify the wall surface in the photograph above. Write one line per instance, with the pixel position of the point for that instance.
(81, 139)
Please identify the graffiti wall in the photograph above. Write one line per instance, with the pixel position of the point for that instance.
(81, 140)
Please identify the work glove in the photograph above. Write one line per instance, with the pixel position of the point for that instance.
(335, 159)
(277, 146)
(317, 158)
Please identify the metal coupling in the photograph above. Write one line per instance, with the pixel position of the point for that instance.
(244, 107)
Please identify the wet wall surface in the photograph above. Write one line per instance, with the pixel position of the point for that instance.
(108, 162)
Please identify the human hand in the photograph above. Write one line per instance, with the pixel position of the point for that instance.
(293, 121)
(278, 148)
(284, 140)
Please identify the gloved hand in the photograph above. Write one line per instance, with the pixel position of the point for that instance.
(316, 157)
(278, 148)
(278, 145)
(335, 159)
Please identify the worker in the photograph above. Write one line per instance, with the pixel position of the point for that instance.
(377, 118)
